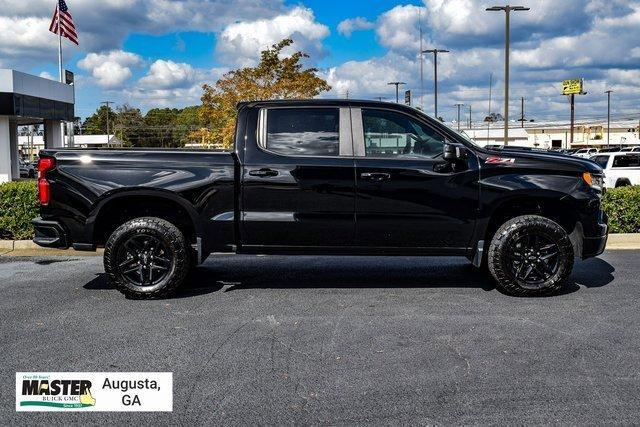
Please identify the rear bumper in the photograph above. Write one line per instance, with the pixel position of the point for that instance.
(50, 234)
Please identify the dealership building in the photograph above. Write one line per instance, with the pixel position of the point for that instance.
(30, 100)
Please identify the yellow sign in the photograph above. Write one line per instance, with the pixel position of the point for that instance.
(573, 86)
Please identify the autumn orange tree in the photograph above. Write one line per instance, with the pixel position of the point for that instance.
(275, 77)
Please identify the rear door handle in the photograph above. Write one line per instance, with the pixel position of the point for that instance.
(264, 172)
(375, 176)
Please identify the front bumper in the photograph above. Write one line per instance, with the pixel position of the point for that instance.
(50, 234)
(594, 243)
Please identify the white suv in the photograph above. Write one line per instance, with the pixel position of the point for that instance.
(585, 153)
(620, 169)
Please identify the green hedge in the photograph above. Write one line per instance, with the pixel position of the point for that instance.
(622, 204)
(18, 206)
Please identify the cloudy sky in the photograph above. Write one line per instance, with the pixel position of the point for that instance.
(158, 52)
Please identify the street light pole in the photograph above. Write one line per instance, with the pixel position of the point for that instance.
(507, 9)
(397, 84)
(608, 92)
(459, 105)
(435, 77)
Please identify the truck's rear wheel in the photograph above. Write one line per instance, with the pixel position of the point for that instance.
(530, 256)
(146, 257)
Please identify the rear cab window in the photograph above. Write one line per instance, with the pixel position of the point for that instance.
(307, 131)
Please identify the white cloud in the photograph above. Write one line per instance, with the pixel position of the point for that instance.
(171, 84)
(104, 25)
(24, 36)
(397, 29)
(47, 75)
(168, 75)
(369, 78)
(241, 43)
(112, 69)
(348, 26)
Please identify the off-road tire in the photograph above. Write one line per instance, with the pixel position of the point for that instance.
(177, 251)
(501, 252)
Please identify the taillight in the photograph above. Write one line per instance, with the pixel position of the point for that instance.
(44, 190)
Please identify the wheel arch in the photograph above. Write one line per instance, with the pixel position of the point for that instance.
(557, 208)
(116, 208)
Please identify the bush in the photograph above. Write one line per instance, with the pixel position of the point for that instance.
(18, 206)
(622, 205)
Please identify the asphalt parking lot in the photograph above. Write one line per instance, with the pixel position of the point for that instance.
(335, 340)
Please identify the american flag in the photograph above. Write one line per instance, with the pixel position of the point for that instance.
(67, 28)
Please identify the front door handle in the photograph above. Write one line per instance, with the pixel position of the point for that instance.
(264, 172)
(375, 176)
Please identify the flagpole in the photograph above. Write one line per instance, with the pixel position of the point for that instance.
(59, 43)
(62, 124)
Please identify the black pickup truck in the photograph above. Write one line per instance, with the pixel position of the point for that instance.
(324, 177)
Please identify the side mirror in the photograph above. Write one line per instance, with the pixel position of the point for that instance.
(453, 152)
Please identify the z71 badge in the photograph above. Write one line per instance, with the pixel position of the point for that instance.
(499, 160)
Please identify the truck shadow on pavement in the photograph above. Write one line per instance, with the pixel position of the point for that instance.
(234, 273)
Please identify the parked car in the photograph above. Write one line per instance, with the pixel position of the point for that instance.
(27, 170)
(585, 153)
(620, 169)
(324, 177)
(630, 150)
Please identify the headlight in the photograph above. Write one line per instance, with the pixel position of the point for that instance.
(594, 181)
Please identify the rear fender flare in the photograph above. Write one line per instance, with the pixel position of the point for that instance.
(111, 196)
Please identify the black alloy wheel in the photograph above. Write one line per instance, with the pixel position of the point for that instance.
(144, 260)
(533, 259)
(530, 255)
(147, 257)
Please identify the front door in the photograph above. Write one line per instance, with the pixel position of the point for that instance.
(407, 195)
(298, 186)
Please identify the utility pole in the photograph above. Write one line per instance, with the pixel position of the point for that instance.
(522, 111)
(608, 92)
(421, 62)
(435, 77)
(469, 116)
(397, 84)
(458, 105)
(489, 115)
(107, 104)
(507, 9)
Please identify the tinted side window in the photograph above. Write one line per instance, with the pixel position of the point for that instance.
(601, 161)
(626, 161)
(391, 134)
(304, 131)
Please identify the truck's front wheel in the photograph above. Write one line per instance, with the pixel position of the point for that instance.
(146, 257)
(530, 256)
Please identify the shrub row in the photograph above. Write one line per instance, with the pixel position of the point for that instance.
(18, 206)
(622, 205)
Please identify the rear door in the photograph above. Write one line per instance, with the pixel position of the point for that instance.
(298, 186)
(407, 195)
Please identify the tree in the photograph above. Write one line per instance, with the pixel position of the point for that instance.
(129, 124)
(160, 124)
(275, 77)
(96, 124)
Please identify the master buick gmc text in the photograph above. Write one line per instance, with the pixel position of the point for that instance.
(324, 177)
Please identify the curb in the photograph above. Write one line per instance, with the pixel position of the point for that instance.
(28, 248)
(621, 241)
